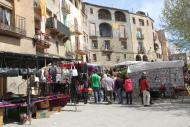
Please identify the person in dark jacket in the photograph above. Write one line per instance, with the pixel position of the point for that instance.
(119, 88)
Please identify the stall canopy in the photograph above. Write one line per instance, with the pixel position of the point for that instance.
(154, 65)
(127, 63)
(18, 60)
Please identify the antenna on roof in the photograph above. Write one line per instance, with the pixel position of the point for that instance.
(147, 14)
(132, 10)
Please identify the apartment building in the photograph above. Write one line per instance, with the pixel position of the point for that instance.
(16, 26)
(117, 35)
(74, 21)
(146, 45)
(16, 36)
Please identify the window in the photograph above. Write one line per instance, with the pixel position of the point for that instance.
(57, 46)
(141, 22)
(92, 29)
(85, 38)
(120, 16)
(107, 44)
(76, 4)
(139, 34)
(122, 31)
(77, 42)
(104, 14)
(134, 22)
(105, 30)
(5, 16)
(94, 44)
(152, 26)
(124, 45)
(94, 58)
(124, 56)
(108, 57)
(147, 23)
(91, 11)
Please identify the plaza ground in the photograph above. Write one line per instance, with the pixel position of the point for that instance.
(162, 113)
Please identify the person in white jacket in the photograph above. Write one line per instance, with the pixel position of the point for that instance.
(109, 88)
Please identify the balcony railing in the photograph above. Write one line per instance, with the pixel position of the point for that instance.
(141, 50)
(140, 37)
(75, 29)
(41, 41)
(93, 36)
(66, 8)
(14, 27)
(124, 38)
(57, 27)
(107, 49)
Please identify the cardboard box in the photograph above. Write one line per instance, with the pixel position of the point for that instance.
(1, 117)
(42, 114)
(56, 109)
(44, 105)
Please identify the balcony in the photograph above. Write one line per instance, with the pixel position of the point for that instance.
(106, 49)
(56, 27)
(41, 41)
(124, 38)
(75, 29)
(15, 27)
(141, 50)
(66, 8)
(93, 37)
(140, 37)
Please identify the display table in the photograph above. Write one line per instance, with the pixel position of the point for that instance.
(1, 117)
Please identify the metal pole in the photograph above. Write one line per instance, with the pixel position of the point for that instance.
(29, 101)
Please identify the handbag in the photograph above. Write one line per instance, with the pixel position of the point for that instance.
(23, 71)
(12, 72)
(3, 71)
(73, 71)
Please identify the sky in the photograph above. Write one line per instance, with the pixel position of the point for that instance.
(152, 7)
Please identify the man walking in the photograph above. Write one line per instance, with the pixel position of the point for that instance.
(95, 80)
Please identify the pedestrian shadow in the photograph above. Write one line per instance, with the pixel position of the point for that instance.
(71, 110)
(100, 103)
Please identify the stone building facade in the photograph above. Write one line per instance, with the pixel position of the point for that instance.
(39, 27)
(117, 35)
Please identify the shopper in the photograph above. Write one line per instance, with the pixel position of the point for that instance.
(128, 87)
(144, 88)
(86, 86)
(109, 88)
(95, 81)
(103, 86)
(119, 88)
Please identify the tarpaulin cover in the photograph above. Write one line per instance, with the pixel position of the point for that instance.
(155, 65)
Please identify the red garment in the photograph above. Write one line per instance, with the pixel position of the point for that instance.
(143, 85)
(128, 86)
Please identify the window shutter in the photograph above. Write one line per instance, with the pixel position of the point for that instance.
(92, 29)
(122, 31)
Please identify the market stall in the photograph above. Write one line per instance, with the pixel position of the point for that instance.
(30, 67)
(163, 75)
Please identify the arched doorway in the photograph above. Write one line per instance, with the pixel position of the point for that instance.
(105, 30)
(138, 58)
(145, 58)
